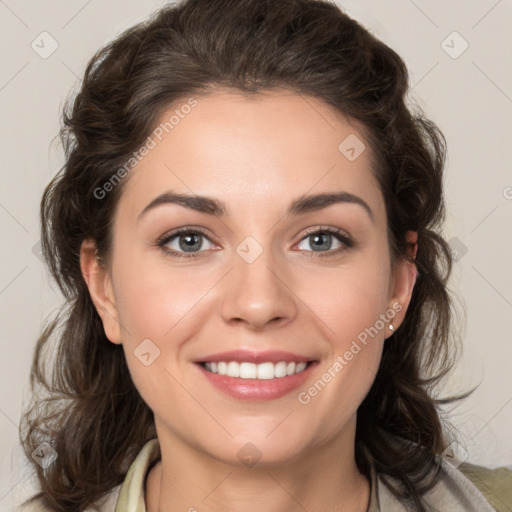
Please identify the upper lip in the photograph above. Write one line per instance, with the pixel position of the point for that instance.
(268, 356)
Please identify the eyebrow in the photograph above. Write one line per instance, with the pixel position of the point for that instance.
(210, 206)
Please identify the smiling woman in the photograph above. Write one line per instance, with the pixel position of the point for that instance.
(247, 234)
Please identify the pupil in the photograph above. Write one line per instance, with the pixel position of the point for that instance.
(190, 244)
(321, 236)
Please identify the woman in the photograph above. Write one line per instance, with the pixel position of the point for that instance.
(214, 355)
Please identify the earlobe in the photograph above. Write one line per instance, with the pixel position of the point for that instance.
(100, 288)
(404, 279)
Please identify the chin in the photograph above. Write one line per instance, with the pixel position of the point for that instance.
(256, 451)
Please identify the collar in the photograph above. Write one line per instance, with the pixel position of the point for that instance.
(453, 492)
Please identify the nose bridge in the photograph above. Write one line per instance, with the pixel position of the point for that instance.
(256, 293)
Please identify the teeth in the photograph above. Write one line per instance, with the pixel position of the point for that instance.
(300, 367)
(247, 371)
(233, 369)
(263, 371)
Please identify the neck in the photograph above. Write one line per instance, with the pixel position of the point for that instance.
(326, 478)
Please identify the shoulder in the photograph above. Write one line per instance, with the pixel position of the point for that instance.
(468, 488)
(494, 483)
(126, 496)
(459, 487)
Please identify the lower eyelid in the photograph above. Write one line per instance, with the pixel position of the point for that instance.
(344, 240)
(171, 238)
(333, 253)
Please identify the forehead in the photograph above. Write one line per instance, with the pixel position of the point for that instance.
(255, 153)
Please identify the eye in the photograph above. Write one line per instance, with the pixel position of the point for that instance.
(323, 238)
(187, 242)
(183, 243)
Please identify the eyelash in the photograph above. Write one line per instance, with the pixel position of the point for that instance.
(165, 239)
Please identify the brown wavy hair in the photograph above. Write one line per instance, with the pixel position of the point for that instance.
(87, 406)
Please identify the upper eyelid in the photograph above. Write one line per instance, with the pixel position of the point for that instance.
(165, 239)
(336, 231)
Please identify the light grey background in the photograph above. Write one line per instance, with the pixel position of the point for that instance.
(468, 96)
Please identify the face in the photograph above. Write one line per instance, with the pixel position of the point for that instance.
(315, 282)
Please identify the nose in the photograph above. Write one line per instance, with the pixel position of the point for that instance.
(257, 294)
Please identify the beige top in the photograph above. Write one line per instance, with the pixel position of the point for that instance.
(455, 491)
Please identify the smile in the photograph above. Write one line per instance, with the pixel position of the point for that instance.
(247, 370)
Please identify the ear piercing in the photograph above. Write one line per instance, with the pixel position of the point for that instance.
(391, 327)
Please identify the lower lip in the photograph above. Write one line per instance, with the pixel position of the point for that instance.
(258, 389)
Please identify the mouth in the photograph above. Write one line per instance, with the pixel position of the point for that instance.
(262, 371)
(256, 375)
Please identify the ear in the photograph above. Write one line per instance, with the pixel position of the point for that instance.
(99, 283)
(403, 281)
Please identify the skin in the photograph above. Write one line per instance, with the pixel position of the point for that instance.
(256, 155)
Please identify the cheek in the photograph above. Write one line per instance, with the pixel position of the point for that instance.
(351, 306)
(157, 311)
(152, 299)
(352, 315)
(160, 310)
(347, 299)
